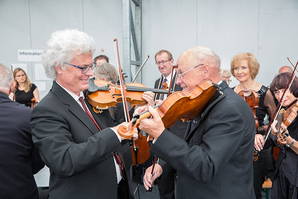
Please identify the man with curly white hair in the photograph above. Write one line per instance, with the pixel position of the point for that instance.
(75, 144)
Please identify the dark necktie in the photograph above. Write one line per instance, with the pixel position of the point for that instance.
(89, 113)
(120, 162)
(164, 85)
(117, 157)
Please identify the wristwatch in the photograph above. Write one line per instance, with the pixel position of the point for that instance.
(291, 144)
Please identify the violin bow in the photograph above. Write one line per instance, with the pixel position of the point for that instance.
(140, 69)
(121, 81)
(293, 75)
(171, 86)
(173, 79)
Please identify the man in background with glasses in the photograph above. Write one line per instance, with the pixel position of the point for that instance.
(80, 151)
(165, 62)
(215, 159)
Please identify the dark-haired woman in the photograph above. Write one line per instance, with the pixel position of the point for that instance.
(285, 182)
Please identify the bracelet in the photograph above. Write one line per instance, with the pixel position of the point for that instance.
(291, 144)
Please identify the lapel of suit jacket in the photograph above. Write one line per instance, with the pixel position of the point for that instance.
(196, 122)
(157, 85)
(73, 107)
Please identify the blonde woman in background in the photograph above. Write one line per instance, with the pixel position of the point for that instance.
(245, 67)
(24, 92)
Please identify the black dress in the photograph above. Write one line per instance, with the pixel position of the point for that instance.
(285, 182)
(25, 97)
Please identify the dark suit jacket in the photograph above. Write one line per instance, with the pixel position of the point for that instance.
(216, 159)
(79, 157)
(19, 160)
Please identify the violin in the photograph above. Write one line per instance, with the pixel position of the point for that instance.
(183, 105)
(33, 102)
(103, 95)
(252, 99)
(284, 119)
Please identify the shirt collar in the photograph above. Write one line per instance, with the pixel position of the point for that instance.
(72, 94)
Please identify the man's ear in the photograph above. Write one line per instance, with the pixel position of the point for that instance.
(205, 69)
(172, 61)
(58, 69)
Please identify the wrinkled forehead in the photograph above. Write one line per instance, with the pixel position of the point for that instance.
(162, 56)
(189, 60)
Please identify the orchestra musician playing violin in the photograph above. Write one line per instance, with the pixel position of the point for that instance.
(164, 61)
(81, 151)
(245, 67)
(285, 181)
(215, 159)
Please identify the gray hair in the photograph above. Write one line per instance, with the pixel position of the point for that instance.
(5, 77)
(63, 46)
(201, 52)
(107, 72)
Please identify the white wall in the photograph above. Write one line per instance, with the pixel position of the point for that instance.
(267, 28)
(27, 24)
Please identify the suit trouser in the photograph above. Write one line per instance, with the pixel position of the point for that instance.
(123, 190)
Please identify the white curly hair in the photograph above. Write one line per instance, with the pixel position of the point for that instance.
(63, 46)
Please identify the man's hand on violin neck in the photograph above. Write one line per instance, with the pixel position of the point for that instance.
(140, 109)
(148, 96)
(154, 125)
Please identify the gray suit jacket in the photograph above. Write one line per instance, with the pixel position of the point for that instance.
(215, 161)
(79, 157)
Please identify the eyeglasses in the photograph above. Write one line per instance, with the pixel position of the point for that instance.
(180, 75)
(84, 69)
(162, 62)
